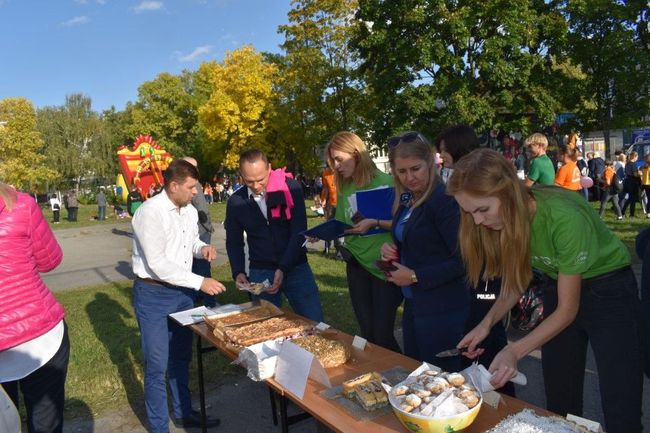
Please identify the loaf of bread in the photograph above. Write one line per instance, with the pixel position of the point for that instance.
(330, 353)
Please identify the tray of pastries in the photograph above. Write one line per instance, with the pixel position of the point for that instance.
(265, 330)
(250, 313)
(367, 390)
(330, 353)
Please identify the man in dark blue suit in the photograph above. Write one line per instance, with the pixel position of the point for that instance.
(270, 208)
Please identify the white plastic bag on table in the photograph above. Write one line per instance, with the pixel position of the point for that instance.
(259, 359)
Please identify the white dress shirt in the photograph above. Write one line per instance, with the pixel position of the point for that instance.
(260, 200)
(166, 239)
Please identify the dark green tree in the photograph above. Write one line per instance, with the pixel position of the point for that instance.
(167, 110)
(320, 90)
(75, 140)
(606, 40)
(432, 63)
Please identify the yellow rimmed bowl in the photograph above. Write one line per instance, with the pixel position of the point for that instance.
(428, 424)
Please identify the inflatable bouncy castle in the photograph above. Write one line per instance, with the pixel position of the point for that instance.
(143, 164)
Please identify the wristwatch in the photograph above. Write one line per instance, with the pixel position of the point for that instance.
(414, 278)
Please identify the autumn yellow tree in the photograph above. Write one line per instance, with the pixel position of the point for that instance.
(241, 91)
(22, 162)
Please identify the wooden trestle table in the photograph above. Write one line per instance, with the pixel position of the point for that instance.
(328, 412)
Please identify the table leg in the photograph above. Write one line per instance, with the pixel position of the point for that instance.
(284, 419)
(199, 360)
(274, 408)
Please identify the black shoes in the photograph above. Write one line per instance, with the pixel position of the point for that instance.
(194, 420)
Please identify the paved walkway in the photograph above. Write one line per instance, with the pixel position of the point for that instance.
(100, 254)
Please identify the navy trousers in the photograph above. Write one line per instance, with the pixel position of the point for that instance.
(609, 319)
(427, 335)
(375, 302)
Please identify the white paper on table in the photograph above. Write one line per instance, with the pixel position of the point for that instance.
(295, 365)
(322, 326)
(225, 310)
(260, 359)
(191, 316)
(590, 425)
(359, 342)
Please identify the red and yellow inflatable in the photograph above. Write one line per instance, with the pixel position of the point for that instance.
(143, 164)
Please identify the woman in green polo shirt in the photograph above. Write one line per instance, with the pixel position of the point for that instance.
(374, 300)
(509, 227)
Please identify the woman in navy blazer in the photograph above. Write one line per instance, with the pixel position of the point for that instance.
(430, 271)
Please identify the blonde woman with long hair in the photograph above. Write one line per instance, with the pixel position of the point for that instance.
(424, 251)
(374, 300)
(506, 229)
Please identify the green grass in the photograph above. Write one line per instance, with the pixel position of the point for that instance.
(105, 370)
(625, 229)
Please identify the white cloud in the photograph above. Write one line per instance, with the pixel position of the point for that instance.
(146, 6)
(81, 2)
(198, 52)
(100, 2)
(76, 21)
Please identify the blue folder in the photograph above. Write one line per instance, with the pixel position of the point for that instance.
(376, 204)
(328, 231)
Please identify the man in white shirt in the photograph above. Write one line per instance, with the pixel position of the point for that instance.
(165, 241)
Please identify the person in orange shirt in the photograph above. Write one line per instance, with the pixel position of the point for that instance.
(328, 200)
(568, 176)
(609, 190)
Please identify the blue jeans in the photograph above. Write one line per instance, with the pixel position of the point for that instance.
(101, 213)
(299, 286)
(425, 336)
(167, 349)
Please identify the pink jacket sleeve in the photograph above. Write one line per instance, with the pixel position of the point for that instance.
(46, 249)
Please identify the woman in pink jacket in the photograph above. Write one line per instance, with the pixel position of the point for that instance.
(34, 346)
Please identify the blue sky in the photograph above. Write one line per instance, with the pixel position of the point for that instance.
(106, 48)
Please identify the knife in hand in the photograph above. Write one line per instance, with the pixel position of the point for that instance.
(452, 352)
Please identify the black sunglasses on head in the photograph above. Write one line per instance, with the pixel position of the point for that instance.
(407, 137)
